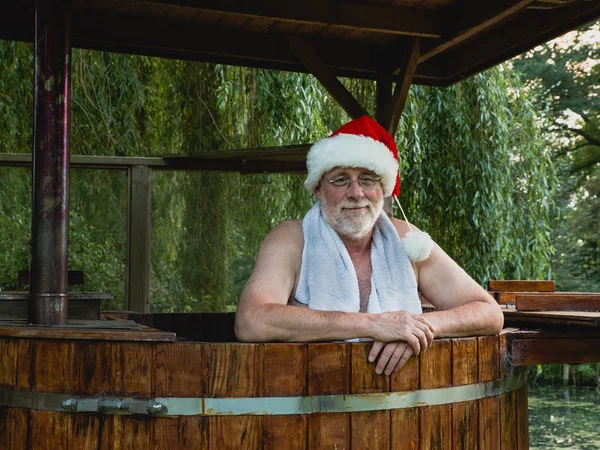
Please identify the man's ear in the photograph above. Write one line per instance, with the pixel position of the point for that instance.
(317, 191)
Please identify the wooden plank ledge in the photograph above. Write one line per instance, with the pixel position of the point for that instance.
(560, 350)
(559, 301)
(521, 286)
(553, 318)
(24, 296)
(104, 330)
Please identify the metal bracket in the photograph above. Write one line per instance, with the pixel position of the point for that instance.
(114, 405)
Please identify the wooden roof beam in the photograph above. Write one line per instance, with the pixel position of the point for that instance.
(365, 17)
(483, 16)
(209, 43)
(496, 47)
(326, 77)
(550, 4)
(159, 37)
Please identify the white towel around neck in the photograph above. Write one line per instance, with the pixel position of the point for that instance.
(328, 280)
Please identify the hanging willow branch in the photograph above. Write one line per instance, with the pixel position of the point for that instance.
(474, 173)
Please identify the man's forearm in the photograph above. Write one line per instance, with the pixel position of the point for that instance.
(272, 322)
(475, 318)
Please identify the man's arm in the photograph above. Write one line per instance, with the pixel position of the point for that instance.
(463, 307)
(264, 315)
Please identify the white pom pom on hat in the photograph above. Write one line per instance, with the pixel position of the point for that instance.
(364, 143)
(418, 245)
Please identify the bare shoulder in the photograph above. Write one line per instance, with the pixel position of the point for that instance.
(281, 250)
(402, 226)
(276, 268)
(287, 233)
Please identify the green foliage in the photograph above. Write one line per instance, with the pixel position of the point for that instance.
(580, 374)
(16, 97)
(15, 224)
(563, 77)
(470, 156)
(97, 231)
(16, 103)
(476, 176)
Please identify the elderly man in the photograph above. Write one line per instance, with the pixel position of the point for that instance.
(315, 278)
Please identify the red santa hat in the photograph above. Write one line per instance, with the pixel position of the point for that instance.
(366, 144)
(359, 143)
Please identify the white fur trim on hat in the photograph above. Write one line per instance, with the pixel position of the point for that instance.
(351, 150)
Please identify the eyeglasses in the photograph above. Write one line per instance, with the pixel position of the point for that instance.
(366, 182)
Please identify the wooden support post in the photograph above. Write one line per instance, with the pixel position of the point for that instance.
(329, 81)
(50, 197)
(389, 107)
(396, 106)
(138, 240)
(384, 97)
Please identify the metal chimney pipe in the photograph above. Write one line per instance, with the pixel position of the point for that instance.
(50, 208)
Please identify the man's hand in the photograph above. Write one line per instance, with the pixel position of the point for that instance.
(393, 356)
(413, 329)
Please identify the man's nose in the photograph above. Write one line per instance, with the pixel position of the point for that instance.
(354, 190)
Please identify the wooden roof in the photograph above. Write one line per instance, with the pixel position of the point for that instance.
(356, 39)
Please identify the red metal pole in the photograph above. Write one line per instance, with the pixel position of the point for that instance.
(50, 209)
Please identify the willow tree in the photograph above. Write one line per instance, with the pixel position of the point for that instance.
(564, 75)
(204, 250)
(477, 176)
(474, 174)
(16, 102)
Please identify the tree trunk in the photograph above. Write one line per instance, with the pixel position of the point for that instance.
(565, 375)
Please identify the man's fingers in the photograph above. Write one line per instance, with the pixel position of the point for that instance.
(413, 341)
(421, 325)
(429, 335)
(421, 318)
(386, 355)
(405, 356)
(427, 332)
(392, 356)
(395, 358)
(375, 349)
(422, 339)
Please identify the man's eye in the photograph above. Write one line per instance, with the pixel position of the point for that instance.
(341, 181)
(367, 181)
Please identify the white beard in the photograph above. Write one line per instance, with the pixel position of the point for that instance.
(352, 224)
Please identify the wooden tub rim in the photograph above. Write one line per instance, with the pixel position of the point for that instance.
(260, 406)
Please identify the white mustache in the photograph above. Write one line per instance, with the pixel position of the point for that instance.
(356, 205)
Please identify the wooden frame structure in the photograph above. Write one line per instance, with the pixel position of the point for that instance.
(394, 42)
(361, 38)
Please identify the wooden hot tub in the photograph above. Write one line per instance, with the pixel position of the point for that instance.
(141, 389)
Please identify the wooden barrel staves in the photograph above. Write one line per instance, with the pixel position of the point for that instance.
(58, 393)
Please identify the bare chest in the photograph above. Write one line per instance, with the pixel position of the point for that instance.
(363, 269)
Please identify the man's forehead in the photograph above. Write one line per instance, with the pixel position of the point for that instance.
(350, 171)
